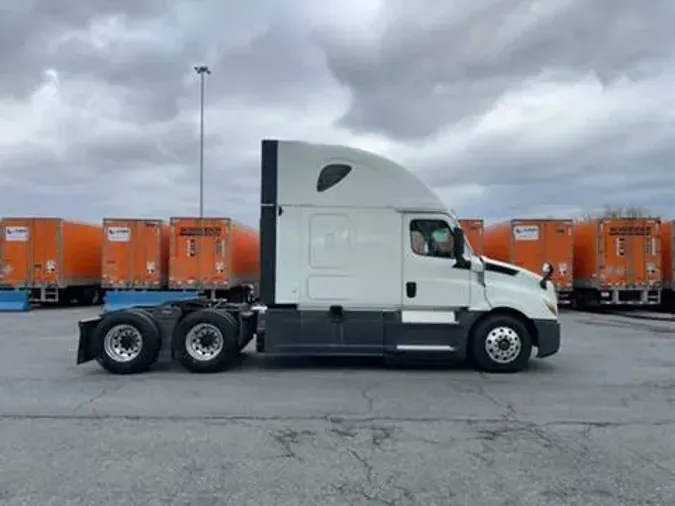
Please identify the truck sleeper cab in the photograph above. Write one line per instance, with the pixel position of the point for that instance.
(357, 257)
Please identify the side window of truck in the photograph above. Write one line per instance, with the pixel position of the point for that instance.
(331, 175)
(431, 238)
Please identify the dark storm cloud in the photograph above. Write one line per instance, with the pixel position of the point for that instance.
(175, 144)
(151, 66)
(27, 27)
(34, 163)
(139, 56)
(114, 151)
(277, 64)
(582, 196)
(434, 65)
(628, 165)
(623, 148)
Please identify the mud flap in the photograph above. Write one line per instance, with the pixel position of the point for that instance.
(87, 348)
(14, 300)
(128, 299)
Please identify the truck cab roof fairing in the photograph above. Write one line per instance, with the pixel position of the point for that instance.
(362, 179)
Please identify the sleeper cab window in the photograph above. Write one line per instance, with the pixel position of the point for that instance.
(331, 175)
(431, 238)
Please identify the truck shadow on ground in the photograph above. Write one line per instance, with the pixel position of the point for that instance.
(249, 361)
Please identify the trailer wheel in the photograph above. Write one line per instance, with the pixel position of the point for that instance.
(206, 341)
(500, 343)
(130, 342)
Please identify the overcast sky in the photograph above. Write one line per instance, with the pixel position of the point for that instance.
(507, 108)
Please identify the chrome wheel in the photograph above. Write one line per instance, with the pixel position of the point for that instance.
(204, 342)
(123, 343)
(503, 345)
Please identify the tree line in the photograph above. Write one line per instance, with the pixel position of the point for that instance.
(628, 211)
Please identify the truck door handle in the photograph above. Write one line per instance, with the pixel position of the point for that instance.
(411, 289)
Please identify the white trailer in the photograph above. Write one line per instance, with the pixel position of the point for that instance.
(358, 257)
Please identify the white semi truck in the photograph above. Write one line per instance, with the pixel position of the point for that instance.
(358, 257)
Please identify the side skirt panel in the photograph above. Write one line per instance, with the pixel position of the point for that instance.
(290, 331)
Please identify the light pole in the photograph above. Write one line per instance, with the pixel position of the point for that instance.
(202, 70)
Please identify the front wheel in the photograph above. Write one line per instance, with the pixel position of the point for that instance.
(501, 344)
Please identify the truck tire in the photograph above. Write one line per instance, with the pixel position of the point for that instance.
(206, 341)
(130, 342)
(500, 343)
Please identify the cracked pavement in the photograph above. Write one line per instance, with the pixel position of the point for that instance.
(594, 425)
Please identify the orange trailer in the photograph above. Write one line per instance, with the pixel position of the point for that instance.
(617, 261)
(135, 254)
(529, 243)
(213, 255)
(473, 229)
(51, 258)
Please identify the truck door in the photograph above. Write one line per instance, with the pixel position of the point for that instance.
(433, 289)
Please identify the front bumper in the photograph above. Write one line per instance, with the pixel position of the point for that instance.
(88, 348)
(548, 337)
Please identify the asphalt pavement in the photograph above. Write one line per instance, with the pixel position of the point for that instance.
(594, 425)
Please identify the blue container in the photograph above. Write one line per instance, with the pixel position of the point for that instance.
(128, 299)
(14, 300)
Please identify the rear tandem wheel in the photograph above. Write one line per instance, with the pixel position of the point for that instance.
(206, 341)
(130, 342)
